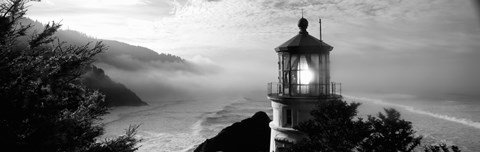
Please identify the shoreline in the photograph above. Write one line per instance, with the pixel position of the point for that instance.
(175, 125)
(181, 125)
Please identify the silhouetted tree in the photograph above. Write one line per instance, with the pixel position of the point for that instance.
(43, 105)
(336, 127)
(390, 133)
(442, 147)
(333, 128)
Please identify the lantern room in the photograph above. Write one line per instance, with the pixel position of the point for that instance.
(303, 66)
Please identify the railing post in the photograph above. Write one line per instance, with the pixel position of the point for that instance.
(333, 88)
(340, 88)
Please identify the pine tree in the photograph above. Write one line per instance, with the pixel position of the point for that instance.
(336, 127)
(390, 133)
(332, 128)
(43, 105)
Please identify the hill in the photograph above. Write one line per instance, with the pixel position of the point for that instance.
(119, 56)
(116, 94)
(117, 51)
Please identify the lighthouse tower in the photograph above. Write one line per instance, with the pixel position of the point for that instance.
(303, 81)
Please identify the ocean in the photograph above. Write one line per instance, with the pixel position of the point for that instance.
(180, 125)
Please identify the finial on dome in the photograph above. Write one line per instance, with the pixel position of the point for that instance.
(302, 25)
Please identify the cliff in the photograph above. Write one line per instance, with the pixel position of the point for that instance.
(116, 94)
(249, 135)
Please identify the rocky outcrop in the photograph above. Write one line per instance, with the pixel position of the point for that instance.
(249, 135)
(116, 94)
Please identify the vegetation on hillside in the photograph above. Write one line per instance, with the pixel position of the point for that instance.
(116, 94)
(43, 105)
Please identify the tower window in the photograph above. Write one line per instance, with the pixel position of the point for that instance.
(288, 118)
(282, 145)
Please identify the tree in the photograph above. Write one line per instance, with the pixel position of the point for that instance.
(336, 127)
(389, 133)
(332, 128)
(442, 147)
(43, 105)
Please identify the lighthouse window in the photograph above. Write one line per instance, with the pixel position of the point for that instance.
(282, 145)
(288, 114)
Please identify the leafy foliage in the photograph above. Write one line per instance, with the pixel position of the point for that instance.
(336, 127)
(125, 143)
(442, 147)
(390, 133)
(333, 128)
(43, 105)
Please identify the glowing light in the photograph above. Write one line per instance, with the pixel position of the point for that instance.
(306, 76)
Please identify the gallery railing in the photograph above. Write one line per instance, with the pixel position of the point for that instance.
(304, 90)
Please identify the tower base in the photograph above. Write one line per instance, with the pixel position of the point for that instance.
(288, 113)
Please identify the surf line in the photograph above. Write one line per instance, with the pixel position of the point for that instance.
(463, 121)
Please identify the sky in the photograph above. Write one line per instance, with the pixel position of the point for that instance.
(428, 47)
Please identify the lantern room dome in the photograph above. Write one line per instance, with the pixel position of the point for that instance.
(304, 42)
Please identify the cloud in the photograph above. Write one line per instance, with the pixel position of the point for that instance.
(391, 45)
(124, 20)
(379, 45)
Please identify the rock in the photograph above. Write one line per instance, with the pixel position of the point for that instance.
(116, 94)
(249, 135)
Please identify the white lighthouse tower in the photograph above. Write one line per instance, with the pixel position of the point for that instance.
(303, 81)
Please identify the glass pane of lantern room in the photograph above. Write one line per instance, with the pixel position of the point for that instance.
(285, 73)
(294, 59)
(324, 73)
(304, 75)
(280, 68)
(314, 67)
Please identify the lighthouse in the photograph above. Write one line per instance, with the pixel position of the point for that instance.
(303, 82)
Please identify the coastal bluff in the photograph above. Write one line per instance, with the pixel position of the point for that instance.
(116, 94)
(251, 134)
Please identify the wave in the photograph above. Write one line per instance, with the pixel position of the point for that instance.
(121, 113)
(463, 121)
